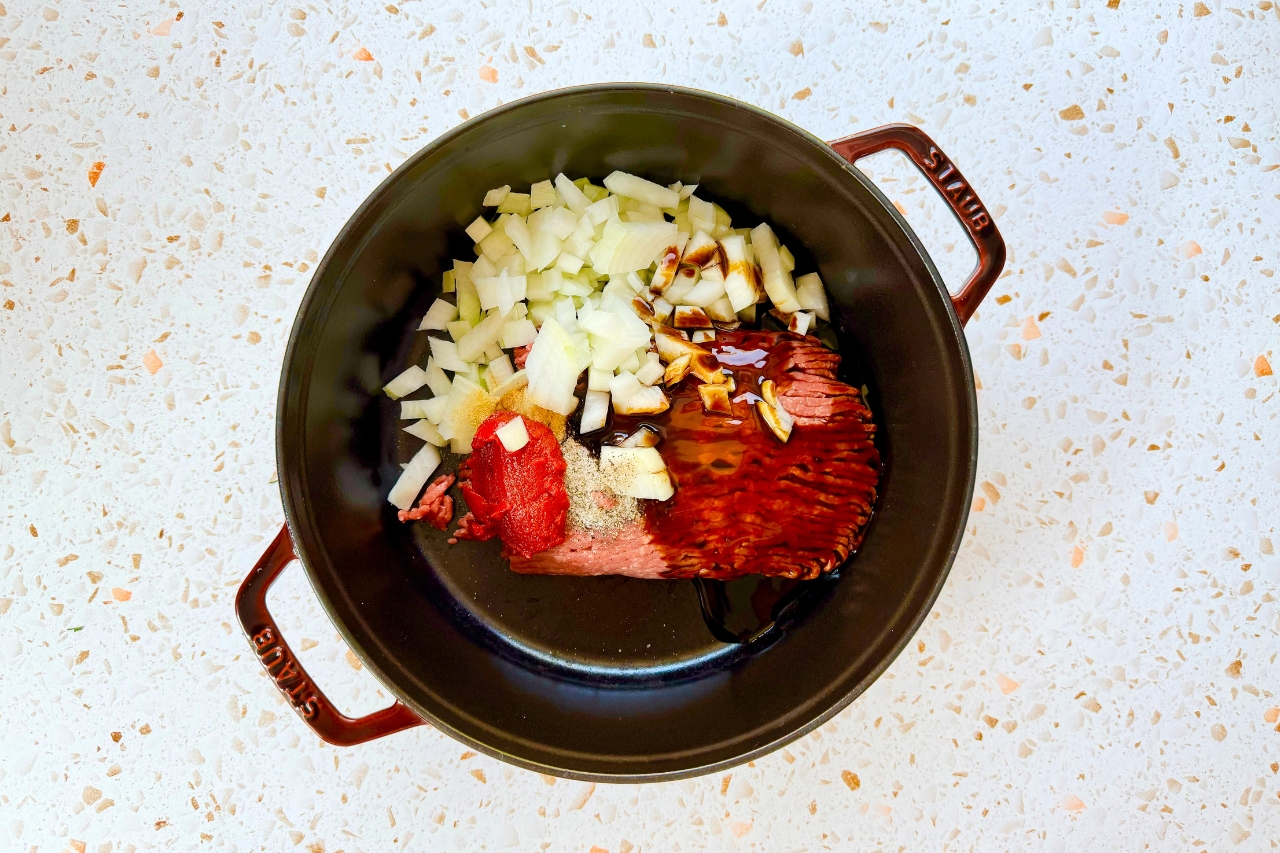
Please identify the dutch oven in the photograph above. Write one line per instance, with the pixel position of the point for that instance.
(615, 679)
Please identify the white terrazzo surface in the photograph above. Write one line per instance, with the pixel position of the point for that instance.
(1100, 671)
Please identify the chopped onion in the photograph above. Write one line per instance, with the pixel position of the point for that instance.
(437, 379)
(542, 194)
(458, 328)
(777, 281)
(812, 296)
(558, 221)
(500, 370)
(469, 404)
(595, 412)
(553, 369)
(479, 339)
(705, 292)
(516, 204)
(426, 431)
(513, 434)
(495, 197)
(573, 197)
(518, 231)
(644, 436)
(598, 378)
(645, 191)
(411, 410)
(721, 311)
(434, 409)
(406, 383)
(438, 316)
(518, 333)
(568, 263)
(446, 355)
(650, 373)
(544, 250)
(788, 259)
(479, 229)
(800, 322)
(628, 246)
(515, 382)
(414, 477)
(739, 281)
(632, 398)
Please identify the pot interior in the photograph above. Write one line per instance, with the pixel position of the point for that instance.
(614, 677)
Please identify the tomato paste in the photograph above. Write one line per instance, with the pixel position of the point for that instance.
(516, 495)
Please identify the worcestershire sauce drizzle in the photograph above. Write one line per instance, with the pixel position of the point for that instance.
(700, 449)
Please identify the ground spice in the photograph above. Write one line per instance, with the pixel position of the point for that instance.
(593, 503)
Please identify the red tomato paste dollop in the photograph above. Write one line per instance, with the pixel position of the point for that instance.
(516, 495)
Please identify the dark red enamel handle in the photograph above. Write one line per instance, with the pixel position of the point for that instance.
(286, 671)
(955, 190)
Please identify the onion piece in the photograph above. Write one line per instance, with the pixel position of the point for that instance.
(426, 431)
(542, 194)
(701, 250)
(645, 191)
(553, 369)
(777, 281)
(598, 379)
(479, 229)
(518, 333)
(705, 292)
(406, 383)
(644, 436)
(799, 322)
(513, 434)
(518, 231)
(515, 382)
(439, 315)
(437, 379)
(495, 197)
(414, 477)
(812, 296)
(500, 370)
(691, 317)
(434, 409)
(595, 412)
(411, 410)
(702, 214)
(650, 373)
(739, 281)
(573, 197)
(479, 339)
(628, 246)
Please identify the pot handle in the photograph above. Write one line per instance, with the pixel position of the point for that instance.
(954, 189)
(286, 671)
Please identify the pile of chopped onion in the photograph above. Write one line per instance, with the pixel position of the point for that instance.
(622, 281)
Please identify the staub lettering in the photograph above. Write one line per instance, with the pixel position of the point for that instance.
(288, 677)
(958, 191)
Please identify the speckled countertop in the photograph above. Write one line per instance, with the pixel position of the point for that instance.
(1100, 671)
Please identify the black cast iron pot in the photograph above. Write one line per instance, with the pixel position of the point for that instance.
(615, 679)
